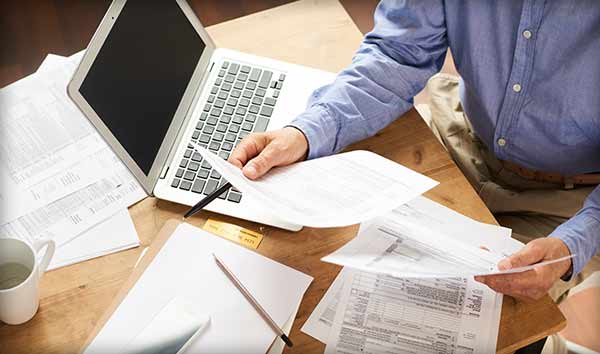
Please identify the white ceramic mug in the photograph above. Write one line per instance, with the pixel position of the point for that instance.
(20, 274)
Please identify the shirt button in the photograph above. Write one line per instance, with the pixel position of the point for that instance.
(517, 88)
(501, 142)
(527, 34)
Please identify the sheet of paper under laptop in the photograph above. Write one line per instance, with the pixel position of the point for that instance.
(332, 191)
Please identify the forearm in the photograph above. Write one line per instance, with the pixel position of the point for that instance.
(581, 233)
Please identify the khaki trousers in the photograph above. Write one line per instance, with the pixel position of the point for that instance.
(531, 209)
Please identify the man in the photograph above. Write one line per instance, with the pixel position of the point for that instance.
(531, 92)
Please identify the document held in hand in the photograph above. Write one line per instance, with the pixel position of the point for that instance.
(337, 190)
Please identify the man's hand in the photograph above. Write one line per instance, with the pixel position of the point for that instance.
(532, 284)
(259, 152)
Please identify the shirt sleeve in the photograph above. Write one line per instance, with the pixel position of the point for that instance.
(405, 48)
(581, 233)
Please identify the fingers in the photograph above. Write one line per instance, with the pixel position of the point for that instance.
(529, 285)
(248, 148)
(268, 158)
(530, 254)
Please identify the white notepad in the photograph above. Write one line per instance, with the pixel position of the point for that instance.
(185, 268)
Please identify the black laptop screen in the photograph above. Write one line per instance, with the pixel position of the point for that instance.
(141, 73)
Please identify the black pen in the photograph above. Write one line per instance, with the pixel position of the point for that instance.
(206, 200)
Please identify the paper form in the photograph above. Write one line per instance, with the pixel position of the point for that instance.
(415, 241)
(378, 313)
(338, 190)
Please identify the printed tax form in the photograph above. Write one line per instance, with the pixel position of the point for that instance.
(338, 190)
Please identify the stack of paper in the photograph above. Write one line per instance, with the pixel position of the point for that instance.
(368, 310)
(58, 177)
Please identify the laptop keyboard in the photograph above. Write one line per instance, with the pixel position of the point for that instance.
(241, 101)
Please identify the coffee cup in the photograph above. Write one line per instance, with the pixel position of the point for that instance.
(20, 274)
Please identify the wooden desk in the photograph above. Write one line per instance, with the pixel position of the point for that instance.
(313, 33)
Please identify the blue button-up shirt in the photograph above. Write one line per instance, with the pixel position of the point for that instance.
(530, 86)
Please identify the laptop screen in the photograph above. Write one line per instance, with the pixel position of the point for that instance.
(141, 73)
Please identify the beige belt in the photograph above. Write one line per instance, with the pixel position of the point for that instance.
(568, 182)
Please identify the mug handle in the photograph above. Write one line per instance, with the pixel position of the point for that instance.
(50, 248)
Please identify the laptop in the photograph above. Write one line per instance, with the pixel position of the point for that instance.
(152, 81)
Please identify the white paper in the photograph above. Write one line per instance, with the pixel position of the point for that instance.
(114, 234)
(338, 190)
(185, 267)
(425, 239)
(279, 345)
(377, 313)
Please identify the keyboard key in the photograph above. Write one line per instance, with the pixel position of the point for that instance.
(250, 85)
(225, 64)
(253, 109)
(233, 68)
(279, 85)
(175, 183)
(225, 119)
(236, 93)
(194, 166)
(196, 134)
(222, 95)
(211, 99)
(275, 94)
(244, 102)
(198, 186)
(222, 128)
(241, 111)
(230, 137)
(234, 197)
(228, 110)
(207, 107)
(196, 157)
(211, 185)
(238, 85)
(214, 174)
(255, 74)
(214, 113)
(218, 81)
(212, 120)
(218, 137)
(273, 84)
(227, 146)
(245, 69)
(270, 101)
(214, 146)
(266, 111)
(226, 87)
(243, 135)
(257, 101)
(221, 73)
(185, 185)
(206, 165)
(203, 116)
(189, 175)
(247, 94)
(214, 90)
(265, 79)
(203, 173)
(261, 92)
(251, 118)
(234, 128)
(238, 119)
(247, 126)
(242, 77)
(261, 124)
(229, 79)
(224, 155)
(200, 125)
(187, 154)
(208, 129)
(232, 102)
(204, 138)
(281, 77)
(219, 104)
(179, 172)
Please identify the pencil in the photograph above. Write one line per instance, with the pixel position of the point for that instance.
(253, 301)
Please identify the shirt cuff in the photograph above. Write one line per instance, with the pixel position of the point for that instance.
(320, 130)
(578, 234)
